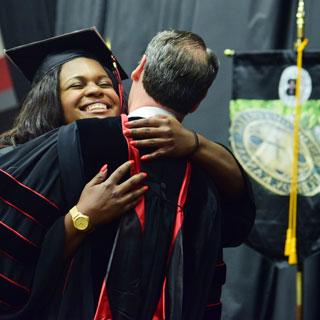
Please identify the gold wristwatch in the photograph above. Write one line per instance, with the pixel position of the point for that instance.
(80, 221)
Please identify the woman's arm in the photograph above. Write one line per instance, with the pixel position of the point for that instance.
(103, 200)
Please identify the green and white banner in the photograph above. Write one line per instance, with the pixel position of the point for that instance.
(261, 136)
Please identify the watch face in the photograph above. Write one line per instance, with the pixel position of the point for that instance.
(263, 143)
(81, 223)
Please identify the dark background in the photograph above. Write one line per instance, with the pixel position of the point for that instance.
(256, 287)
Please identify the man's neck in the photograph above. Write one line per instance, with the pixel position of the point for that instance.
(139, 98)
(142, 102)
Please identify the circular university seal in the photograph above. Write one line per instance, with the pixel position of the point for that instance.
(262, 141)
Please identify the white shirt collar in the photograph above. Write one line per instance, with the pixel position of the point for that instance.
(147, 112)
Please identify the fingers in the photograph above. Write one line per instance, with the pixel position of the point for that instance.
(149, 132)
(141, 123)
(153, 143)
(99, 177)
(131, 199)
(155, 121)
(159, 153)
(119, 173)
(132, 183)
(158, 126)
(151, 156)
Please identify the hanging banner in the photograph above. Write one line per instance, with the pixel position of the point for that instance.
(261, 136)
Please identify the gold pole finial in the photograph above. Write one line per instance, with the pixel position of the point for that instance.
(229, 52)
(300, 23)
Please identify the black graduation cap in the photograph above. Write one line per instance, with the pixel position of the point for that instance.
(38, 58)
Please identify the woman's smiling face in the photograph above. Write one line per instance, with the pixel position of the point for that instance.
(86, 91)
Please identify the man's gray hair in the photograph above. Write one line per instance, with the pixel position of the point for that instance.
(179, 69)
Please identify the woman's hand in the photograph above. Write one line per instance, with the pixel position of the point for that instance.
(165, 133)
(104, 200)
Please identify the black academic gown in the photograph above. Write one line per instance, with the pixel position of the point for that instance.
(47, 176)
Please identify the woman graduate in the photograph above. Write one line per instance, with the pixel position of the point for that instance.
(48, 169)
(31, 193)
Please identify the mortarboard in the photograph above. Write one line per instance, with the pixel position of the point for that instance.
(38, 58)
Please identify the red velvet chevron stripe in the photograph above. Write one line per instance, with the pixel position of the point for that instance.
(25, 215)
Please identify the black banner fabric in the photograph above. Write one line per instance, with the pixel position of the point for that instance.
(262, 114)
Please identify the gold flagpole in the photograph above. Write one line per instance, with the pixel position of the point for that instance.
(291, 241)
(300, 23)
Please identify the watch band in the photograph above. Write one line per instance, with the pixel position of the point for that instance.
(80, 221)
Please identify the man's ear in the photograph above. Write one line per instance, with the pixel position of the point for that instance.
(136, 73)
